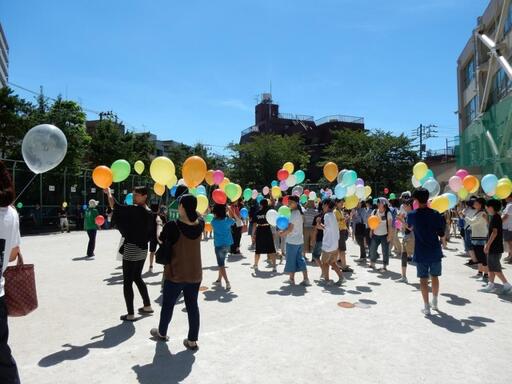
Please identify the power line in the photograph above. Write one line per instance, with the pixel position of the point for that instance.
(424, 132)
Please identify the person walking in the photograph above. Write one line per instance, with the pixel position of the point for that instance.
(318, 236)
(135, 223)
(90, 226)
(360, 219)
(428, 227)
(507, 227)
(184, 273)
(222, 240)
(407, 241)
(330, 244)
(63, 219)
(310, 213)
(236, 229)
(381, 235)
(479, 230)
(263, 238)
(9, 250)
(339, 212)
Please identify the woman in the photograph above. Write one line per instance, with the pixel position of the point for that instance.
(157, 225)
(9, 249)
(222, 240)
(294, 236)
(262, 236)
(479, 230)
(90, 226)
(184, 273)
(309, 217)
(135, 225)
(359, 217)
(236, 229)
(382, 235)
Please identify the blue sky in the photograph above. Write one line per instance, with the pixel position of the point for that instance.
(190, 70)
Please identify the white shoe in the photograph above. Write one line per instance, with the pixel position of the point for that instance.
(488, 289)
(426, 311)
(216, 283)
(403, 279)
(506, 290)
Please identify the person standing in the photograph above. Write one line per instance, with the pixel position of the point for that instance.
(339, 212)
(318, 236)
(330, 244)
(184, 273)
(294, 236)
(360, 220)
(222, 240)
(253, 212)
(236, 229)
(494, 248)
(467, 213)
(428, 227)
(479, 231)
(90, 226)
(63, 219)
(263, 238)
(507, 227)
(135, 223)
(407, 241)
(381, 235)
(9, 250)
(309, 222)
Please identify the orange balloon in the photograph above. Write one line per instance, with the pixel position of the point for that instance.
(193, 171)
(159, 189)
(102, 176)
(470, 183)
(209, 177)
(330, 171)
(373, 222)
(224, 182)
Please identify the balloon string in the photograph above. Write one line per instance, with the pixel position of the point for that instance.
(26, 186)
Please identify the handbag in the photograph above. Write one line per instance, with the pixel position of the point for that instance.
(20, 289)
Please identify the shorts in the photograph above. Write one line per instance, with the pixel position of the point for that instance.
(221, 253)
(295, 261)
(342, 243)
(408, 244)
(317, 250)
(308, 232)
(329, 257)
(479, 254)
(152, 245)
(467, 240)
(493, 262)
(507, 235)
(425, 270)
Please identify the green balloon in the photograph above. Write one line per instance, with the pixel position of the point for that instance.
(247, 194)
(303, 199)
(209, 218)
(285, 211)
(231, 190)
(120, 170)
(19, 205)
(193, 191)
(392, 196)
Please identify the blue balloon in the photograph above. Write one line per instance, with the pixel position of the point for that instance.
(428, 175)
(349, 178)
(340, 191)
(452, 198)
(173, 191)
(275, 183)
(201, 190)
(128, 200)
(244, 213)
(84, 207)
(489, 183)
(259, 198)
(282, 222)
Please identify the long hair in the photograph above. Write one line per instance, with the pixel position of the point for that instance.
(7, 193)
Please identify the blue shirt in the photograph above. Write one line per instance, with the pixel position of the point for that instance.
(222, 232)
(427, 226)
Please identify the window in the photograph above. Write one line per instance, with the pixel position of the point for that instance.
(501, 86)
(508, 22)
(469, 72)
(470, 110)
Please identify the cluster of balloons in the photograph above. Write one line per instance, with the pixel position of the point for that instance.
(351, 188)
(279, 218)
(463, 184)
(286, 179)
(424, 177)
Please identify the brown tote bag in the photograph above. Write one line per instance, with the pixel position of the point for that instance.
(20, 289)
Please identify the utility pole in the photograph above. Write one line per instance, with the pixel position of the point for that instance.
(424, 132)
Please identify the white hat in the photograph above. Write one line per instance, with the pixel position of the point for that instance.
(93, 203)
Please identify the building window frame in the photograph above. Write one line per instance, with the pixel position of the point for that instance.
(469, 72)
(508, 21)
(470, 110)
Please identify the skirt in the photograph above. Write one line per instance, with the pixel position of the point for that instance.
(264, 240)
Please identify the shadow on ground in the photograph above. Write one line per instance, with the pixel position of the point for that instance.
(450, 323)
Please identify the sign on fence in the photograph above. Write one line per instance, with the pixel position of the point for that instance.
(51, 188)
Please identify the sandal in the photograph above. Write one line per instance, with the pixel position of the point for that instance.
(154, 332)
(125, 318)
(382, 270)
(187, 345)
(142, 311)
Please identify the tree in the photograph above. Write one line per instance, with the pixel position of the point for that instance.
(380, 158)
(107, 143)
(257, 162)
(14, 122)
(138, 146)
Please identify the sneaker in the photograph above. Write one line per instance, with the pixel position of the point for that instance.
(306, 283)
(255, 267)
(347, 269)
(340, 281)
(216, 283)
(228, 287)
(489, 288)
(403, 279)
(434, 305)
(426, 311)
(154, 332)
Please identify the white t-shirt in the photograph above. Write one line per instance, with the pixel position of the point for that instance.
(382, 229)
(331, 233)
(507, 224)
(296, 236)
(9, 239)
(470, 213)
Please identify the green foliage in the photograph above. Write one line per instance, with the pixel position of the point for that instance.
(381, 158)
(257, 162)
(14, 122)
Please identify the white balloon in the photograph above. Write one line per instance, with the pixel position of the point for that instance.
(340, 175)
(360, 192)
(415, 182)
(432, 186)
(181, 182)
(271, 217)
(351, 190)
(312, 196)
(44, 147)
(291, 181)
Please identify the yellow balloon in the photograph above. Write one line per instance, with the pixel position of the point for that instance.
(238, 193)
(172, 182)
(161, 170)
(139, 167)
(420, 170)
(202, 203)
(64, 205)
(367, 191)
(351, 202)
(463, 193)
(159, 189)
(289, 167)
(503, 189)
(276, 192)
(224, 182)
(440, 203)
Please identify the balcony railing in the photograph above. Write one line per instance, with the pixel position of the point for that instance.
(291, 116)
(252, 129)
(341, 119)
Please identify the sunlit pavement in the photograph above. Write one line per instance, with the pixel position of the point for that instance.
(263, 331)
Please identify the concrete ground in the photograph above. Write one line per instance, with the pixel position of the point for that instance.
(263, 331)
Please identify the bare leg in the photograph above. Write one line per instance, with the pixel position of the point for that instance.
(343, 259)
(435, 286)
(337, 270)
(492, 276)
(273, 258)
(472, 255)
(223, 274)
(500, 275)
(151, 259)
(256, 259)
(424, 288)
(325, 271)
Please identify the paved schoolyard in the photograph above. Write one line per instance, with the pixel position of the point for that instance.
(263, 331)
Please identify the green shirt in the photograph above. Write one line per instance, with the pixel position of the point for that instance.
(90, 219)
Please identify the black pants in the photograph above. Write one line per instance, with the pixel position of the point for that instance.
(8, 369)
(362, 233)
(132, 273)
(92, 242)
(237, 236)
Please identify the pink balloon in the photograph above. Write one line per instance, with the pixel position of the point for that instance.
(218, 177)
(462, 173)
(254, 194)
(398, 224)
(415, 204)
(455, 183)
(266, 190)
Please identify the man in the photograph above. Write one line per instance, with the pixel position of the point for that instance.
(330, 244)
(63, 219)
(427, 225)
(507, 227)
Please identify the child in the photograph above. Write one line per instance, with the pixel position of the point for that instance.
(494, 248)
(330, 244)
(479, 231)
(223, 239)
(407, 242)
(428, 226)
(317, 236)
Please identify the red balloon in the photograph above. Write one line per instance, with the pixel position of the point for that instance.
(306, 192)
(386, 190)
(219, 196)
(99, 220)
(282, 174)
(285, 200)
